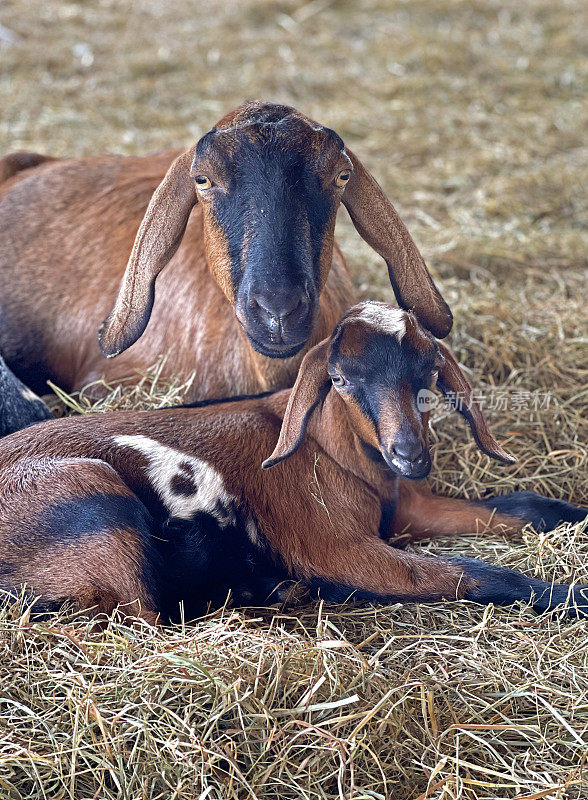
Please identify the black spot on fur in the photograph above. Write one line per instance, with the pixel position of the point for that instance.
(182, 486)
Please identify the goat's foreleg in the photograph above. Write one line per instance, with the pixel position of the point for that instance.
(420, 514)
(370, 569)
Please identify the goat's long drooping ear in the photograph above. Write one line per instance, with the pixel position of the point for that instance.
(454, 385)
(158, 238)
(311, 387)
(377, 222)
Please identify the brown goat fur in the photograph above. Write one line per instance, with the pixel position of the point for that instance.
(101, 568)
(67, 228)
(122, 487)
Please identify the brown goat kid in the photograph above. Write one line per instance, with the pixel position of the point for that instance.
(245, 220)
(150, 509)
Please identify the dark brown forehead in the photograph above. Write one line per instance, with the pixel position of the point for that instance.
(255, 111)
(263, 126)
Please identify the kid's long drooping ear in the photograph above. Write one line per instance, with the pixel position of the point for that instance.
(452, 382)
(158, 238)
(311, 387)
(377, 222)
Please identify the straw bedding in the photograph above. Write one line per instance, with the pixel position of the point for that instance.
(471, 115)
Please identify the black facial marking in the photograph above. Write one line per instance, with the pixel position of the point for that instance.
(275, 211)
(386, 361)
(373, 454)
(279, 202)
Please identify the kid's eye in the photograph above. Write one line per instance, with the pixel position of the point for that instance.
(339, 381)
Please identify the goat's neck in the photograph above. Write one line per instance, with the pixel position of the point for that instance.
(331, 429)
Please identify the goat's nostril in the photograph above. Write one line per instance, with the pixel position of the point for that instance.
(296, 310)
(273, 309)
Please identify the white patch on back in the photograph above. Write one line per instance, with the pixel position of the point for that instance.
(166, 464)
(384, 318)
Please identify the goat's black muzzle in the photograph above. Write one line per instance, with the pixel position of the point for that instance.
(278, 322)
(408, 457)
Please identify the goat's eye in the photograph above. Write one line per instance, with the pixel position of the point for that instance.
(339, 381)
(202, 182)
(343, 177)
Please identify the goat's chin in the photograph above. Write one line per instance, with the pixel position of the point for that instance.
(276, 351)
(414, 471)
(411, 471)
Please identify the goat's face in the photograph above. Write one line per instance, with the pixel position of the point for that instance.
(384, 367)
(269, 181)
(270, 192)
(383, 364)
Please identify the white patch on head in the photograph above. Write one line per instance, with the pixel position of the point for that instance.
(166, 463)
(384, 318)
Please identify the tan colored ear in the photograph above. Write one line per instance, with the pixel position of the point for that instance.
(158, 238)
(452, 382)
(377, 222)
(311, 387)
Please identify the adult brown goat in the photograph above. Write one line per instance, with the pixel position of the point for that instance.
(151, 508)
(245, 219)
